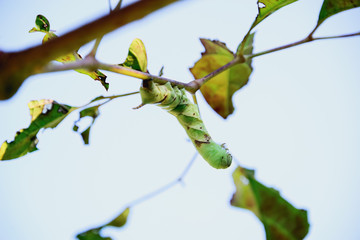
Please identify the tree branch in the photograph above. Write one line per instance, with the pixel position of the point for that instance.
(193, 86)
(15, 67)
(197, 83)
(305, 40)
(92, 64)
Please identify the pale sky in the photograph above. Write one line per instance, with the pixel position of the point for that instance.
(296, 123)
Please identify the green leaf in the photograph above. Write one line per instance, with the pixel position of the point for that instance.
(97, 75)
(75, 56)
(43, 25)
(219, 90)
(94, 234)
(136, 58)
(92, 112)
(44, 114)
(86, 134)
(332, 7)
(267, 7)
(281, 220)
(248, 49)
(120, 220)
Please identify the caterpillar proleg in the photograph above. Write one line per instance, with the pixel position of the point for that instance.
(176, 102)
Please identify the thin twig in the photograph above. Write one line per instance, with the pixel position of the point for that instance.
(165, 187)
(92, 64)
(141, 75)
(241, 47)
(98, 40)
(15, 67)
(109, 3)
(313, 31)
(118, 6)
(122, 95)
(279, 48)
(109, 98)
(297, 43)
(93, 51)
(339, 36)
(187, 168)
(153, 194)
(193, 86)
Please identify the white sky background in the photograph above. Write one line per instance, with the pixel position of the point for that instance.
(296, 123)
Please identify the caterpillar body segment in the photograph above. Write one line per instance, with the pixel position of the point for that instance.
(176, 102)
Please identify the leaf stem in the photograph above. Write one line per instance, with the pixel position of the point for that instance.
(93, 51)
(313, 31)
(241, 47)
(98, 40)
(118, 6)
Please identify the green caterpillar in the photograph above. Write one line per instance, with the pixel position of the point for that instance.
(175, 101)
